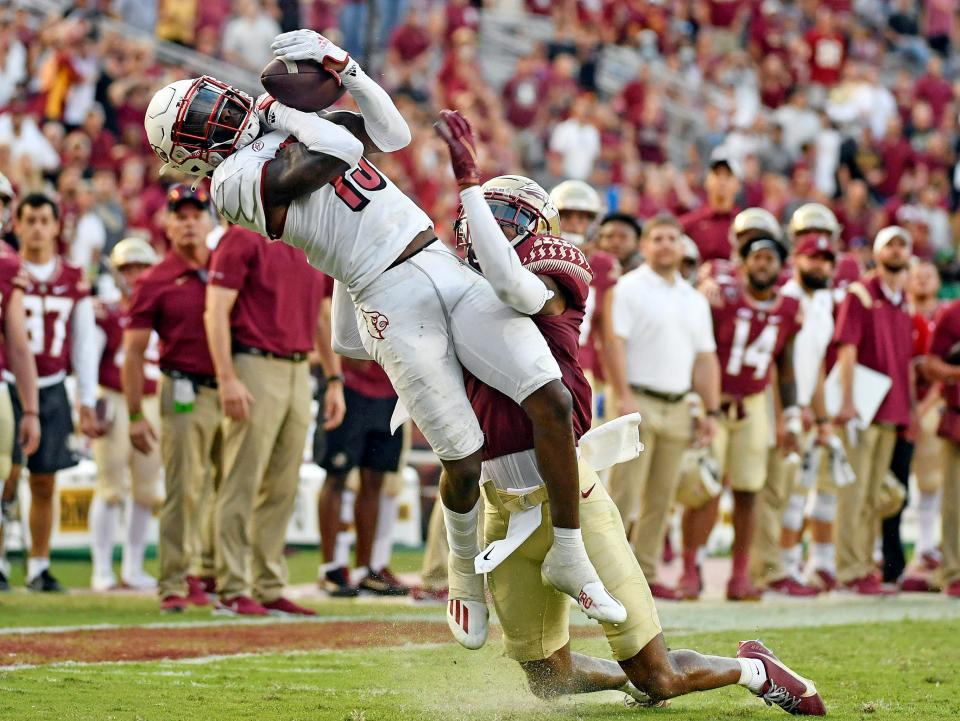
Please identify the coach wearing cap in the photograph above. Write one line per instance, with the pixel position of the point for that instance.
(660, 345)
(262, 310)
(709, 225)
(875, 330)
(169, 299)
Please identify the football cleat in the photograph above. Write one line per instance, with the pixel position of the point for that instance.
(740, 589)
(337, 584)
(285, 607)
(99, 583)
(195, 593)
(173, 604)
(792, 588)
(577, 578)
(953, 590)
(784, 688)
(382, 584)
(424, 594)
(45, 582)
(823, 579)
(868, 585)
(690, 585)
(915, 584)
(141, 581)
(663, 592)
(467, 614)
(239, 606)
(635, 698)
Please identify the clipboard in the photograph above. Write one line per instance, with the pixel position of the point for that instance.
(870, 388)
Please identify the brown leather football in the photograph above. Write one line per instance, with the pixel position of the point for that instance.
(303, 85)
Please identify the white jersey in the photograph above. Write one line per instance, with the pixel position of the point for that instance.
(813, 338)
(351, 229)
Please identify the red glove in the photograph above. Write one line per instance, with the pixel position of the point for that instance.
(458, 135)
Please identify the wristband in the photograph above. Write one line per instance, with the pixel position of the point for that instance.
(335, 379)
(137, 416)
(715, 413)
(30, 413)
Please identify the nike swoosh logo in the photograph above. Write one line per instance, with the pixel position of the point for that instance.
(486, 556)
(586, 493)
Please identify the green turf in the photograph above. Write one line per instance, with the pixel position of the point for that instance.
(904, 670)
(74, 571)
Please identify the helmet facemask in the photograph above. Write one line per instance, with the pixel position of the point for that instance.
(212, 120)
(523, 218)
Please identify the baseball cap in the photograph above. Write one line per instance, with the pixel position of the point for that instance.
(183, 193)
(763, 243)
(815, 244)
(720, 157)
(885, 235)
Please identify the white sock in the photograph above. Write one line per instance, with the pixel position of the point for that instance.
(341, 550)
(347, 502)
(752, 674)
(823, 557)
(701, 556)
(103, 521)
(136, 544)
(5, 567)
(569, 539)
(462, 531)
(792, 559)
(383, 536)
(928, 521)
(36, 565)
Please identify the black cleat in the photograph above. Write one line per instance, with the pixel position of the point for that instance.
(337, 584)
(45, 583)
(4, 583)
(383, 583)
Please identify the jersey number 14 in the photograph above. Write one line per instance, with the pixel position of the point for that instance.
(757, 355)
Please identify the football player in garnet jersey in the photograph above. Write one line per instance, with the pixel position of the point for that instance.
(61, 329)
(534, 617)
(304, 178)
(754, 327)
(123, 472)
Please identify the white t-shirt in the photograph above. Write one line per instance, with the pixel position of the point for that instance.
(579, 144)
(352, 232)
(813, 338)
(665, 325)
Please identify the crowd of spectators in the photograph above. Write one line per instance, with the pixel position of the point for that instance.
(846, 102)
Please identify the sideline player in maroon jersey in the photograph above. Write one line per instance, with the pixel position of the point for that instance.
(15, 355)
(754, 327)
(61, 331)
(122, 471)
(534, 617)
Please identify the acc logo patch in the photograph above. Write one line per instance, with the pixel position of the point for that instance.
(376, 323)
(257, 146)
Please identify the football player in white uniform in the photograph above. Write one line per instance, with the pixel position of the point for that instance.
(421, 312)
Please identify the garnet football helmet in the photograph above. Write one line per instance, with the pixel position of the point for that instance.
(192, 125)
(516, 201)
(813, 216)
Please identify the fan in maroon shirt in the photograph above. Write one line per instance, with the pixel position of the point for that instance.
(709, 225)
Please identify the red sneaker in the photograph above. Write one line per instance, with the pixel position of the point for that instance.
(690, 585)
(867, 586)
(209, 584)
(915, 584)
(664, 592)
(422, 594)
(173, 604)
(826, 580)
(285, 607)
(740, 589)
(783, 687)
(195, 593)
(790, 587)
(953, 590)
(239, 606)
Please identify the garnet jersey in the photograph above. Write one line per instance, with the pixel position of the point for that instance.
(351, 229)
(49, 307)
(505, 426)
(11, 276)
(111, 322)
(750, 337)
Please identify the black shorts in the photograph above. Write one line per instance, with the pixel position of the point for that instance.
(364, 438)
(56, 426)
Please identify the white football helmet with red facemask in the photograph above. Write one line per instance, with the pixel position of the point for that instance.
(192, 125)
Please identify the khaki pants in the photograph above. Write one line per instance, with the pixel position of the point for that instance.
(121, 470)
(741, 444)
(766, 559)
(928, 452)
(644, 489)
(186, 445)
(536, 617)
(950, 513)
(261, 472)
(204, 554)
(433, 573)
(858, 519)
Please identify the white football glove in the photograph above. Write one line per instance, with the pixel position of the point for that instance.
(262, 107)
(307, 45)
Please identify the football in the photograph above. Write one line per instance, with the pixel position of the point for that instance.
(303, 85)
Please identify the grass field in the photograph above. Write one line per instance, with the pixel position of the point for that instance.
(364, 660)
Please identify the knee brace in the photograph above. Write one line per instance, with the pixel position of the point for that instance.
(793, 513)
